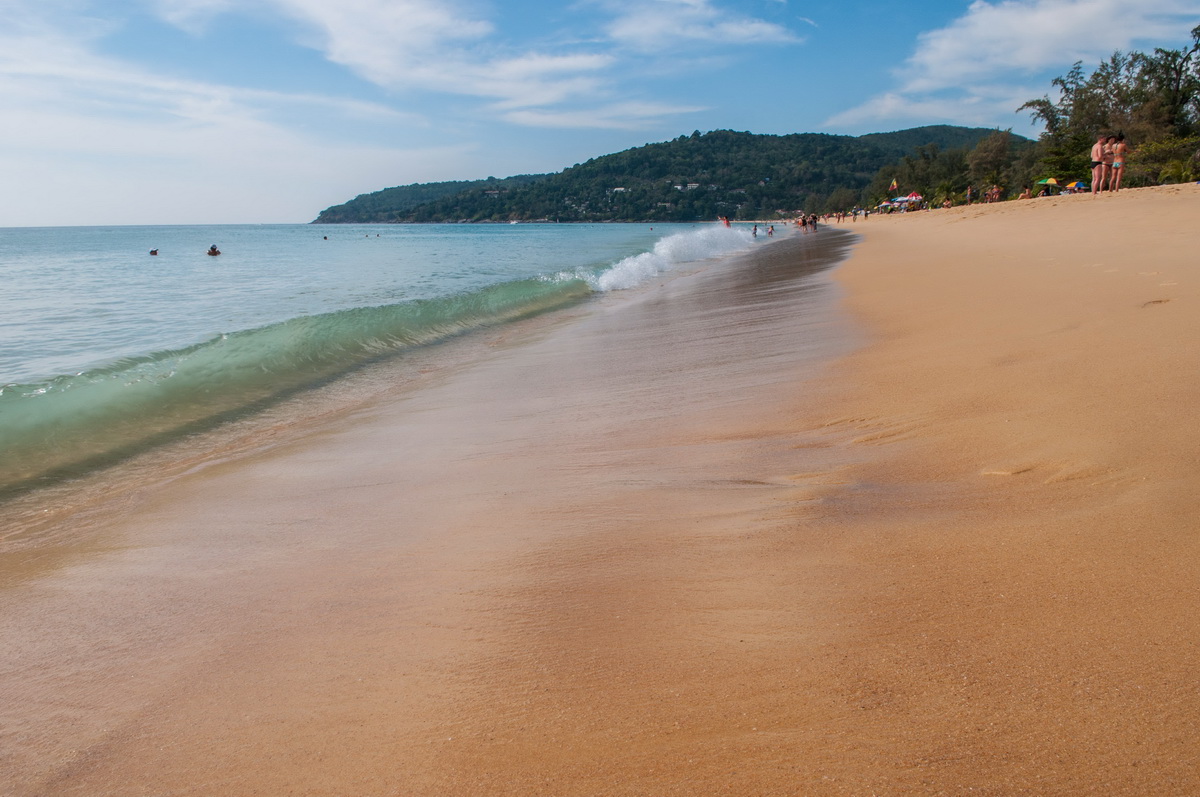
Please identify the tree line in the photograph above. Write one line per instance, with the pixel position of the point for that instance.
(697, 177)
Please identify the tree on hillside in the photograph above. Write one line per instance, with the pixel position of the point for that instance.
(991, 158)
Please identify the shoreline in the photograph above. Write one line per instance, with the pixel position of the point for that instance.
(759, 556)
(360, 577)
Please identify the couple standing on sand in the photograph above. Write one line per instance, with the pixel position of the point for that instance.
(1108, 162)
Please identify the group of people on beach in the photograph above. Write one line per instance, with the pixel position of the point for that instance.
(1108, 162)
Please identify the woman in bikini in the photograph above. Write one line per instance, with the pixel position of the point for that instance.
(1119, 150)
(1108, 158)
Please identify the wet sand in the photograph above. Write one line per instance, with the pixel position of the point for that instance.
(677, 546)
(450, 580)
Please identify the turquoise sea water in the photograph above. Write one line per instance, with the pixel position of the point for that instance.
(104, 347)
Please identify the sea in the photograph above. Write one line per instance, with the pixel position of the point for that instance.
(108, 351)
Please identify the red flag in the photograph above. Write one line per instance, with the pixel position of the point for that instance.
(894, 185)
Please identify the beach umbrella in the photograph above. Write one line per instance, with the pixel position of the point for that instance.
(1077, 184)
(915, 197)
(1047, 181)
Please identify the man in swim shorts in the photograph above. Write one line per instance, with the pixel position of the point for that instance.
(1098, 171)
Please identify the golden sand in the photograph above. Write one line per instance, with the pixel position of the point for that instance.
(963, 559)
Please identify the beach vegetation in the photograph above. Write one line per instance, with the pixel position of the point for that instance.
(1153, 99)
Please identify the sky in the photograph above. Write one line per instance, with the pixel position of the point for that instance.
(117, 112)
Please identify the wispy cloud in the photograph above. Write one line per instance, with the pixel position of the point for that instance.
(448, 47)
(95, 132)
(416, 46)
(662, 25)
(620, 116)
(983, 60)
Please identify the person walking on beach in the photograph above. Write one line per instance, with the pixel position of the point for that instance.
(1119, 150)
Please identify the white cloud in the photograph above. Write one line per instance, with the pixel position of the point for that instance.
(389, 42)
(980, 109)
(659, 25)
(191, 15)
(415, 45)
(1029, 35)
(619, 116)
(976, 68)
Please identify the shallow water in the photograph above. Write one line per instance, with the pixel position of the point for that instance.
(106, 351)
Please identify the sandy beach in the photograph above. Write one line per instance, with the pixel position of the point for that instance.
(923, 524)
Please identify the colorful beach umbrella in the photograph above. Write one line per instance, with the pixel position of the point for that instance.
(1047, 181)
(1077, 184)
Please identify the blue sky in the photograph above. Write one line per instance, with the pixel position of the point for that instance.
(252, 111)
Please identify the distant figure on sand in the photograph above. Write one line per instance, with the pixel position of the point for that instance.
(213, 250)
(154, 251)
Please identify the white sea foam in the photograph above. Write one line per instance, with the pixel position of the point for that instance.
(669, 253)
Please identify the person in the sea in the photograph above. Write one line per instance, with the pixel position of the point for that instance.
(1119, 150)
(213, 250)
(154, 251)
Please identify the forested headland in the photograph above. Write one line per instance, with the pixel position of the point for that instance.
(1153, 99)
(692, 178)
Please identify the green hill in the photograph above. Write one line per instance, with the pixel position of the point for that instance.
(385, 205)
(696, 177)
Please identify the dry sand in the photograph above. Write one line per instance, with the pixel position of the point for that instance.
(962, 559)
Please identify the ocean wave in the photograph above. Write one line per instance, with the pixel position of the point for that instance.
(72, 420)
(73, 423)
(669, 253)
